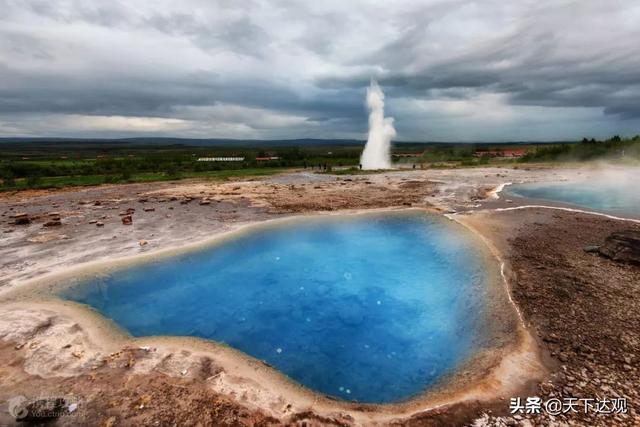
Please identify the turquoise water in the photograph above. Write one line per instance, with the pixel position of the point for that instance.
(613, 197)
(365, 308)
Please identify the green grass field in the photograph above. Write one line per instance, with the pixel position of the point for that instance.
(58, 164)
(89, 180)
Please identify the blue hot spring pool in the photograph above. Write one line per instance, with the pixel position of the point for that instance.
(366, 308)
(622, 198)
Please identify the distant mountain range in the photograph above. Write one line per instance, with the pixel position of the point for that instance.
(227, 142)
(191, 142)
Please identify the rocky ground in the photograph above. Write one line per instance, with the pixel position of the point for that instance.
(111, 396)
(581, 304)
(43, 231)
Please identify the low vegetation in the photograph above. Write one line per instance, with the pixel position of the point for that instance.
(51, 164)
(47, 165)
(587, 149)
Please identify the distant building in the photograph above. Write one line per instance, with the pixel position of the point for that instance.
(221, 159)
(407, 154)
(513, 154)
(266, 159)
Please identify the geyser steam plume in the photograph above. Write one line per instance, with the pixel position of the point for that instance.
(377, 151)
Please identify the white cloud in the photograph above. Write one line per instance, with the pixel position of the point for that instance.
(116, 123)
(283, 68)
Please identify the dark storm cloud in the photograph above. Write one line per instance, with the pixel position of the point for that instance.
(141, 97)
(284, 69)
(599, 76)
(238, 34)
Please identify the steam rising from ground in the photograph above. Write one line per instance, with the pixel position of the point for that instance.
(619, 180)
(377, 151)
(605, 174)
(604, 187)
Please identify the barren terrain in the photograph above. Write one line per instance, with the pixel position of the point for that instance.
(580, 307)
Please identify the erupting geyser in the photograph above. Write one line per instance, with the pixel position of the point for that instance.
(377, 151)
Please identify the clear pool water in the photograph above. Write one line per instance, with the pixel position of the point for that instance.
(365, 308)
(613, 197)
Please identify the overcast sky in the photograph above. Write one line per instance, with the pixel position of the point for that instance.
(451, 70)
